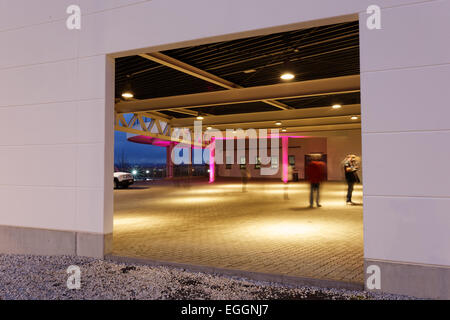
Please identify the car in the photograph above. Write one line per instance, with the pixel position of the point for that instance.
(122, 179)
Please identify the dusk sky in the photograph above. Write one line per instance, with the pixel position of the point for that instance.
(136, 153)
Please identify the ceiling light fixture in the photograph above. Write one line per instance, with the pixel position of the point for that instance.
(278, 123)
(287, 73)
(337, 106)
(200, 117)
(284, 130)
(354, 118)
(287, 76)
(127, 95)
(127, 92)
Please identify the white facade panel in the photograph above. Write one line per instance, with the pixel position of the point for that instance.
(38, 207)
(22, 13)
(33, 124)
(89, 203)
(37, 44)
(38, 84)
(90, 164)
(414, 99)
(404, 74)
(90, 121)
(407, 229)
(410, 36)
(39, 165)
(91, 78)
(407, 164)
(157, 23)
(76, 122)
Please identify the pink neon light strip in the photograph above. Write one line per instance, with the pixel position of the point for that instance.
(285, 160)
(212, 160)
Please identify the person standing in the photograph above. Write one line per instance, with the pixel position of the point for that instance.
(245, 174)
(316, 174)
(351, 167)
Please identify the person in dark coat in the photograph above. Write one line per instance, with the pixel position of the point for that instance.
(351, 167)
(316, 174)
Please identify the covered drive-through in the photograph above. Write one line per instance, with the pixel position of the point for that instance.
(260, 222)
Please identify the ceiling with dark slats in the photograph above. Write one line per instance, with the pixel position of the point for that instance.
(323, 101)
(237, 108)
(315, 53)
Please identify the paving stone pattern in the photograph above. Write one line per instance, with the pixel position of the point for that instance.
(269, 228)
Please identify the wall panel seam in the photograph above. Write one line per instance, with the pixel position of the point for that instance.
(77, 58)
(408, 263)
(406, 131)
(37, 104)
(53, 187)
(405, 196)
(62, 144)
(407, 68)
(83, 15)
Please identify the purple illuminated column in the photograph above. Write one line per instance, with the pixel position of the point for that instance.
(169, 163)
(285, 159)
(212, 160)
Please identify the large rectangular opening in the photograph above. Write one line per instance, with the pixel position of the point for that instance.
(230, 214)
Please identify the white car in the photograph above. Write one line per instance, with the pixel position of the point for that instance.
(122, 179)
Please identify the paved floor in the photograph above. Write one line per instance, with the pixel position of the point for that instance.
(267, 229)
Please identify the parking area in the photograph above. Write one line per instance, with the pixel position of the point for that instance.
(269, 228)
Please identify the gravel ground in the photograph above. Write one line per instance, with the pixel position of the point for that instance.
(44, 278)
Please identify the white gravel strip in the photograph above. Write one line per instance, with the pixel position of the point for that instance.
(44, 278)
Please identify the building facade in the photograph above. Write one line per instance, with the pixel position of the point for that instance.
(334, 146)
(57, 113)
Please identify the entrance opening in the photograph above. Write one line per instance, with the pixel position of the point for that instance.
(244, 209)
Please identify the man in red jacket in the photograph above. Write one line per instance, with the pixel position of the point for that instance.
(316, 174)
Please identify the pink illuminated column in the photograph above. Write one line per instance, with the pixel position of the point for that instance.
(285, 159)
(169, 163)
(212, 160)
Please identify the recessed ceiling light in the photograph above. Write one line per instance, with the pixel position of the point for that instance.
(336, 106)
(354, 118)
(287, 76)
(278, 123)
(209, 128)
(128, 95)
(284, 130)
(287, 71)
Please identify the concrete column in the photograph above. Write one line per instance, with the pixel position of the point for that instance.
(406, 218)
(190, 162)
(169, 163)
(59, 201)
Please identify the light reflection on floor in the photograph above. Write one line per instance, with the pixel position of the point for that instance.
(269, 228)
